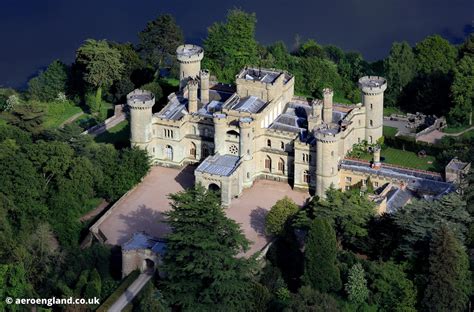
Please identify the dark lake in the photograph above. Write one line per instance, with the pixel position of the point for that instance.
(35, 32)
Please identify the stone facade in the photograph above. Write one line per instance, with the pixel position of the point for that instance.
(271, 133)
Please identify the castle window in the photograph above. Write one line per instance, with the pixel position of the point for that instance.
(371, 122)
(371, 106)
(248, 175)
(332, 153)
(153, 150)
(359, 122)
(282, 145)
(281, 165)
(192, 151)
(153, 131)
(204, 151)
(348, 188)
(348, 179)
(269, 143)
(268, 163)
(168, 133)
(376, 184)
(358, 140)
(169, 152)
(332, 170)
(306, 177)
(370, 139)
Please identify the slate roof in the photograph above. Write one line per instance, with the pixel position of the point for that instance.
(249, 104)
(142, 240)
(222, 165)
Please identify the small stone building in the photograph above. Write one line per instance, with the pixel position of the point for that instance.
(142, 252)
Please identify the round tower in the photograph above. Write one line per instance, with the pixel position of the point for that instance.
(372, 88)
(189, 57)
(140, 103)
(204, 75)
(327, 105)
(192, 96)
(220, 124)
(247, 149)
(327, 161)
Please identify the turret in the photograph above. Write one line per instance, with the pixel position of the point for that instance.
(140, 103)
(327, 160)
(247, 148)
(376, 164)
(204, 86)
(316, 115)
(192, 96)
(372, 88)
(220, 123)
(189, 57)
(327, 105)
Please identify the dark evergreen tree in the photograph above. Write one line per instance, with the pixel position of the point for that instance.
(48, 84)
(320, 268)
(203, 271)
(449, 279)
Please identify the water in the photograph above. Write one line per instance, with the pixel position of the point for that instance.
(35, 32)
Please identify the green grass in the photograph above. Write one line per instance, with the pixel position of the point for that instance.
(389, 131)
(2, 122)
(468, 135)
(455, 129)
(403, 158)
(58, 112)
(387, 111)
(127, 281)
(118, 135)
(170, 81)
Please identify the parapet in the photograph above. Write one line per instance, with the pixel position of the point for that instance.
(189, 53)
(327, 133)
(328, 92)
(204, 74)
(245, 121)
(219, 117)
(372, 84)
(193, 84)
(140, 99)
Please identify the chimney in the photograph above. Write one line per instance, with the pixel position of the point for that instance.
(327, 105)
(376, 164)
(204, 74)
(192, 96)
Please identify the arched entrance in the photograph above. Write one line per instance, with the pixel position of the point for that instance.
(214, 187)
(148, 266)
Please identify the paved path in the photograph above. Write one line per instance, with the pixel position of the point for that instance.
(436, 135)
(131, 292)
(71, 119)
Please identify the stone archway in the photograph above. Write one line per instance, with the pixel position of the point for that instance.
(214, 187)
(148, 266)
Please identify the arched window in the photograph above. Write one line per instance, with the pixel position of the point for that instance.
(370, 139)
(192, 151)
(205, 151)
(282, 145)
(371, 122)
(268, 163)
(194, 130)
(371, 106)
(306, 177)
(281, 165)
(269, 143)
(169, 152)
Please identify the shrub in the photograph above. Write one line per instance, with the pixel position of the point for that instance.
(279, 215)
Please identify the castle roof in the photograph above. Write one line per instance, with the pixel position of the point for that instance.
(222, 165)
(142, 240)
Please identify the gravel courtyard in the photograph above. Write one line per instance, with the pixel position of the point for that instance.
(142, 209)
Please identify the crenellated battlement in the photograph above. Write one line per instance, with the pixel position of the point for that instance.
(372, 84)
(140, 99)
(189, 53)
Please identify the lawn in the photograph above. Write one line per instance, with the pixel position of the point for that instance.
(389, 131)
(169, 81)
(58, 112)
(468, 135)
(403, 158)
(455, 129)
(118, 135)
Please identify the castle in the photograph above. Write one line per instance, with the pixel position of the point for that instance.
(258, 129)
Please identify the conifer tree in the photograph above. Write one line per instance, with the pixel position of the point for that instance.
(449, 278)
(201, 263)
(321, 271)
(356, 286)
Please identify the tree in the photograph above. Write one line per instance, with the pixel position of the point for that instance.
(155, 88)
(462, 92)
(279, 215)
(392, 290)
(48, 84)
(310, 300)
(313, 74)
(435, 55)
(13, 284)
(419, 220)
(348, 211)
(449, 279)
(311, 49)
(320, 268)
(400, 69)
(203, 272)
(102, 65)
(159, 40)
(356, 286)
(231, 45)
